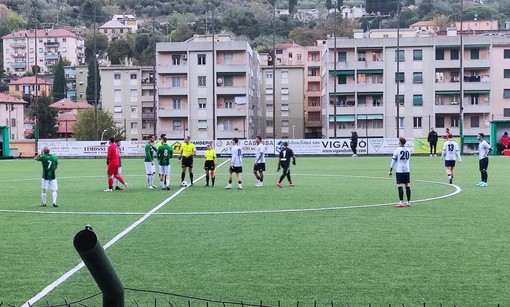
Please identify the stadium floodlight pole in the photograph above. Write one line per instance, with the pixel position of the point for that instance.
(154, 69)
(335, 58)
(274, 69)
(461, 79)
(397, 99)
(95, 75)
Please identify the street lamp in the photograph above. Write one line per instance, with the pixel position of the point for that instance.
(293, 130)
(102, 134)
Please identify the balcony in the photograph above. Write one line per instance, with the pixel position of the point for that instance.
(313, 123)
(176, 91)
(148, 115)
(172, 69)
(231, 68)
(18, 45)
(51, 56)
(231, 90)
(19, 55)
(231, 112)
(313, 108)
(162, 112)
(482, 107)
(451, 107)
(370, 87)
(19, 64)
(51, 44)
(312, 93)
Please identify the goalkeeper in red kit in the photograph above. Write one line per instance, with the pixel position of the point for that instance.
(113, 164)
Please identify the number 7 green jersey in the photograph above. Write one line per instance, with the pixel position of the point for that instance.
(49, 165)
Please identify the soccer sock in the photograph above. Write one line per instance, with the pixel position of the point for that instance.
(288, 178)
(484, 176)
(120, 179)
(110, 182)
(54, 196)
(257, 176)
(213, 179)
(230, 181)
(149, 181)
(261, 177)
(183, 174)
(43, 197)
(207, 179)
(281, 178)
(401, 193)
(408, 193)
(191, 177)
(239, 182)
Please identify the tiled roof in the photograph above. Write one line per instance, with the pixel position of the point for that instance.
(41, 33)
(6, 98)
(29, 80)
(69, 104)
(113, 24)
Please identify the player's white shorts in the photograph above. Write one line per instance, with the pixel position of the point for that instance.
(49, 184)
(150, 168)
(164, 169)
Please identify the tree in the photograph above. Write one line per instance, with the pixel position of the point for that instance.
(119, 50)
(101, 45)
(59, 80)
(93, 83)
(46, 116)
(84, 128)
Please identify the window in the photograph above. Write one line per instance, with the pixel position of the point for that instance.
(399, 121)
(134, 93)
(475, 99)
(399, 56)
(342, 56)
(228, 58)
(454, 121)
(13, 122)
(117, 94)
(202, 81)
(506, 73)
(285, 107)
(417, 100)
(202, 103)
(299, 57)
(285, 74)
(116, 76)
(439, 54)
(399, 77)
(177, 125)
(417, 77)
(202, 125)
(377, 101)
(475, 54)
(285, 91)
(399, 99)
(117, 109)
(506, 93)
(506, 54)
(417, 55)
(134, 125)
(362, 101)
(229, 103)
(201, 59)
(134, 110)
(506, 112)
(269, 91)
(475, 121)
(342, 79)
(440, 122)
(416, 122)
(362, 56)
(269, 75)
(454, 54)
(176, 59)
(133, 76)
(228, 80)
(176, 81)
(177, 104)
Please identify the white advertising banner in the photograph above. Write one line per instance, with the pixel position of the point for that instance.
(222, 147)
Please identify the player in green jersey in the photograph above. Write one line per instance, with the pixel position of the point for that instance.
(150, 169)
(165, 152)
(49, 177)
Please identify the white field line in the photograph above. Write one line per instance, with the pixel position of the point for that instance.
(72, 271)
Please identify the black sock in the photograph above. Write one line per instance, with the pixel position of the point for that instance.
(191, 177)
(408, 193)
(401, 193)
(207, 179)
(182, 176)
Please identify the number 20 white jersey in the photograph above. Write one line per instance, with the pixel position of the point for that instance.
(400, 160)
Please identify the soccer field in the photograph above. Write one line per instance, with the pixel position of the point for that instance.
(334, 237)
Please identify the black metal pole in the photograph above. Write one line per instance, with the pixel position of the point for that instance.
(214, 76)
(93, 255)
(95, 77)
(398, 69)
(154, 70)
(274, 69)
(336, 80)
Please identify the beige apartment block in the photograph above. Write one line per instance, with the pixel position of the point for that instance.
(128, 93)
(76, 82)
(43, 47)
(207, 89)
(443, 82)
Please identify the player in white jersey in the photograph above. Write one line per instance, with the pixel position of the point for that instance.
(260, 162)
(450, 154)
(236, 164)
(400, 161)
(484, 150)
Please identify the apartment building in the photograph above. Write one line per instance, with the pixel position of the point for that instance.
(76, 82)
(128, 93)
(26, 48)
(208, 89)
(425, 76)
(67, 115)
(12, 114)
(30, 86)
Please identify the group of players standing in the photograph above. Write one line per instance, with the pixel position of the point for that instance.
(162, 151)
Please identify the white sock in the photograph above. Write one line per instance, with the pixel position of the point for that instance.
(54, 196)
(43, 197)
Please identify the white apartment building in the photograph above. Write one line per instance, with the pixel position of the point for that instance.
(441, 83)
(207, 89)
(128, 93)
(12, 115)
(26, 48)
